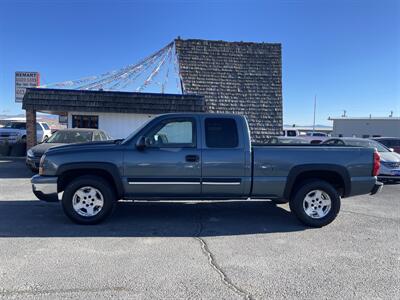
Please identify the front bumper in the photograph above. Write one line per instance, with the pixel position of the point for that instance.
(45, 187)
(12, 139)
(377, 188)
(33, 162)
(386, 177)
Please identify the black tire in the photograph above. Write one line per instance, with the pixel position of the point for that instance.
(109, 199)
(279, 201)
(297, 207)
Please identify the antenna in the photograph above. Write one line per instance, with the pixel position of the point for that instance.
(315, 108)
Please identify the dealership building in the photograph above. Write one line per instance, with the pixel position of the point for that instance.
(216, 76)
(366, 127)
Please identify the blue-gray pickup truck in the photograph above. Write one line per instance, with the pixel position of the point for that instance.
(203, 157)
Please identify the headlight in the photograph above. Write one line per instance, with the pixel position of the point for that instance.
(30, 153)
(41, 165)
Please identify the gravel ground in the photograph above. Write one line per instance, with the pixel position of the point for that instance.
(224, 250)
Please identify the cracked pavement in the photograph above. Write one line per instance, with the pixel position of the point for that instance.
(224, 250)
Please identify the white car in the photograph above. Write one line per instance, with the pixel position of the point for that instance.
(16, 132)
(390, 161)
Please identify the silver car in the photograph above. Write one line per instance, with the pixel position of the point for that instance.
(390, 161)
(63, 137)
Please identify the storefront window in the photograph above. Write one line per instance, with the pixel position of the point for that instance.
(83, 121)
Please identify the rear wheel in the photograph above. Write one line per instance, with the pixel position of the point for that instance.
(316, 203)
(88, 200)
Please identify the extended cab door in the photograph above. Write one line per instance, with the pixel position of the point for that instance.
(170, 165)
(226, 166)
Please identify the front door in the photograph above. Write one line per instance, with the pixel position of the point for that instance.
(170, 165)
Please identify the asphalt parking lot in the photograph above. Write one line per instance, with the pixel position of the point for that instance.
(230, 250)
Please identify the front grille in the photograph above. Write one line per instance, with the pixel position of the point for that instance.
(391, 164)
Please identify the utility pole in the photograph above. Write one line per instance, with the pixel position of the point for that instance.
(315, 108)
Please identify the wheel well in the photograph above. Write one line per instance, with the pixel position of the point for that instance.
(65, 178)
(332, 177)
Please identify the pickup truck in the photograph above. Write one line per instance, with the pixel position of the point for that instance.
(15, 131)
(189, 156)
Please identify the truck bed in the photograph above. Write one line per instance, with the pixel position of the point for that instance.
(274, 165)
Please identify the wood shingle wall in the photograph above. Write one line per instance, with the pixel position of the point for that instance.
(236, 77)
(104, 101)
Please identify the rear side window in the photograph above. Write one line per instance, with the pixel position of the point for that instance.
(45, 126)
(103, 136)
(221, 133)
(96, 137)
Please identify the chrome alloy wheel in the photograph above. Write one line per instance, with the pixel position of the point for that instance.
(87, 201)
(317, 204)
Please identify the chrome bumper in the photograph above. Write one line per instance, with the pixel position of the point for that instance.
(45, 187)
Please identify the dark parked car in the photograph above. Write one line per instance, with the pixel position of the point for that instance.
(199, 157)
(390, 142)
(63, 137)
(390, 161)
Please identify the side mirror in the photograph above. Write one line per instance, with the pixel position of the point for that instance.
(142, 143)
(391, 149)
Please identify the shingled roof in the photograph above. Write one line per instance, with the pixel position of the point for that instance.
(236, 77)
(61, 100)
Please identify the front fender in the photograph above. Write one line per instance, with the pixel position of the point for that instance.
(110, 168)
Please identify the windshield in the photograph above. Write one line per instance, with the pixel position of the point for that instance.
(367, 143)
(70, 137)
(137, 130)
(15, 125)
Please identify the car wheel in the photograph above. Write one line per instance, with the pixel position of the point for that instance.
(316, 203)
(88, 200)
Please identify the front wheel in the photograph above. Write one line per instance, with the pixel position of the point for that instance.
(316, 203)
(88, 200)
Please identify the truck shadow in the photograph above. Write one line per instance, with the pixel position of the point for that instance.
(149, 219)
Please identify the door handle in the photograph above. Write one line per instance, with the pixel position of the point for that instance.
(192, 158)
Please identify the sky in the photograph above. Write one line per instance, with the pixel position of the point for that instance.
(344, 52)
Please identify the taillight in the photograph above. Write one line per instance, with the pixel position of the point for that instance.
(377, 164)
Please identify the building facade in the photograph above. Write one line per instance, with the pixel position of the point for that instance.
(216, 76)
(366, 127)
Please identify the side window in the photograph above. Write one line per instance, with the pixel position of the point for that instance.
(291, 133)
(103, 136)
(221, 133)
(330, 142)
(83, 121)
(96, 136)
(174, 133)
